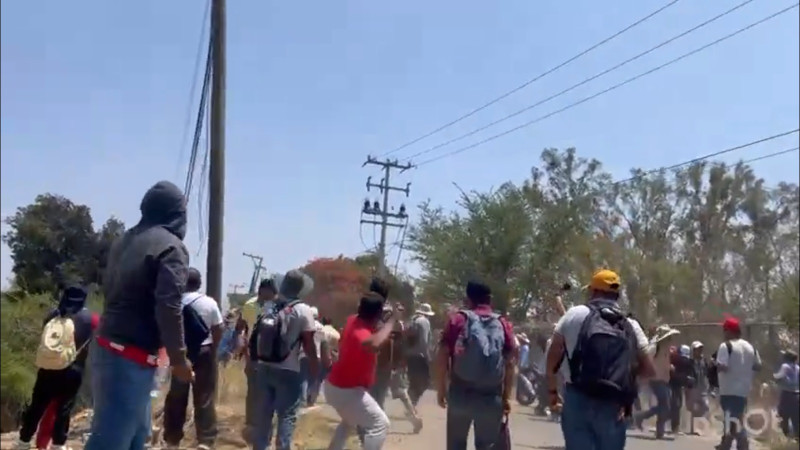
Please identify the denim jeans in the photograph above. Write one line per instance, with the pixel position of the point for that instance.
(661, 410)
(121, 394)
(278, 391)
(466, 408)
(590, 423)
(305, 376)
(733, 409)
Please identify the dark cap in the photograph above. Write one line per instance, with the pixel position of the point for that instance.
(292, 284)
(478, 291)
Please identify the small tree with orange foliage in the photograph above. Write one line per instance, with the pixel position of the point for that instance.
(338, 283)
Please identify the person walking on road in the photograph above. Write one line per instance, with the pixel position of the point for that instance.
(347, 387)
(658, 350)
(61, 358)
(252, 308)
(276, 341)
(144, 283)
(476, 366)
(418, 338)
(204, 386)
(604, 353)
(737, 361)
(788, 378)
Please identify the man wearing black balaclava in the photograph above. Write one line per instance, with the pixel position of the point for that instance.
(143, 285)
(60, 372)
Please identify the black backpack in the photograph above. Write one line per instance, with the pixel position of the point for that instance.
(268, 340)
(195, 330)
(604, 362)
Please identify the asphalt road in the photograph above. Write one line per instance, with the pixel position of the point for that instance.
(527, 432)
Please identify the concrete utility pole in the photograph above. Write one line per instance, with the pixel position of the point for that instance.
(216, 166)
(383, 212)
(258, 267)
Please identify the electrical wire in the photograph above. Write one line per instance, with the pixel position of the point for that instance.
(534, 79)
(581, 83)
(195, 76)
(201, 113)
(203, 194)
(402, 243)
(607, 90)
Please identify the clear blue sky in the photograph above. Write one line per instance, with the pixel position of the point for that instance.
(94, 102)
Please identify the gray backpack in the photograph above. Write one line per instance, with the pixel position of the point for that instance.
(478, 359)
(269, 340)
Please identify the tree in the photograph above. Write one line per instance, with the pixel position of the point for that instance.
(338, 284)
(53, 241)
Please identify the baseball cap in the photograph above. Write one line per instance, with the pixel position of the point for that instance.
(604, 280)
(697, 344)
(731, 324)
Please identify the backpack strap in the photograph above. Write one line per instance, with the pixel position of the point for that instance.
(199, 296)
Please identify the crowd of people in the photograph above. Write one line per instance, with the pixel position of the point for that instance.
(596, 364)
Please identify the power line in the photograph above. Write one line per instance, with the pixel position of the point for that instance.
(201, 113)
(715, 154)
(771, 155)
(196, 75)
(533, 80)
(581, 83)
(612, 88)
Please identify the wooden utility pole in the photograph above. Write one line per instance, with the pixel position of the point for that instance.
(216, 166)
(383, 212)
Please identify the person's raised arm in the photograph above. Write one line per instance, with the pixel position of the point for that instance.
(173, 266)
(377, 339)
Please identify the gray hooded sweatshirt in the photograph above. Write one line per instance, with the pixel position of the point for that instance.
(146, 277)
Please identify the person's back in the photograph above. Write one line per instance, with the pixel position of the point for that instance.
(133, 310)
(737, 380)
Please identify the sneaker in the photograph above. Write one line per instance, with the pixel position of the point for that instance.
(59, 447)
(22, 445)
(417, 426)
(203, 447)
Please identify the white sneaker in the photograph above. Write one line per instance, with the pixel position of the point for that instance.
(59, 447)
(22, 445)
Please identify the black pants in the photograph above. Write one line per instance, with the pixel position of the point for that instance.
(789, 411)
(675, 405)
(419, 377)
(204, 391)
(59, 385)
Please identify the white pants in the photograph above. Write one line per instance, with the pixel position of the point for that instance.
(357, 409)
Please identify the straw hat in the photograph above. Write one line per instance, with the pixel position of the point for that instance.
(425, 310)
(664, 332)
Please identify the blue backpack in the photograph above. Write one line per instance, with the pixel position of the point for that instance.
(478, 360)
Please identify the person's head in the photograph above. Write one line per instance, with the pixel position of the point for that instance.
(370, 307)
(685, 351)
(267, 290)
(380, 287)
(789, 357)
(194, 280)
(697, 350)
(604, 284)
(731, 328)
(292, 284)
(165, 205)
(478, 293)
(326, 321)
(73, 299)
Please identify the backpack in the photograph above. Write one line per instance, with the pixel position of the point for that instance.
(603, 363)
(268, 341)
(478, 359)
(195, 329)
(57, 349)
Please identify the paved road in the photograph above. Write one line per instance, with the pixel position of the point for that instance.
(527, 432)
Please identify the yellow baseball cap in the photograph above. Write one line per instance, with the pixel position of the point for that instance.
(604, 280)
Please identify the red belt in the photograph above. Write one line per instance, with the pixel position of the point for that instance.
(128, 352)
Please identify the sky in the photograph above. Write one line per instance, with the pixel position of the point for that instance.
(95, 102)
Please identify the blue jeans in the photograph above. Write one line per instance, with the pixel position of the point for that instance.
(662, 409)
(590, 423)
(733, 409)
(278, 391)
(121, 394)
(465, 408)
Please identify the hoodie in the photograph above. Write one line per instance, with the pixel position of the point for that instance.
(72, 304)
(146, 277)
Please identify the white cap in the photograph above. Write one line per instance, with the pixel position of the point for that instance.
(697, 344)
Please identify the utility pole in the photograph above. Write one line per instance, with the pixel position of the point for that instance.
(216, 166)
(383, 212)
(236, 287)
(258, 267)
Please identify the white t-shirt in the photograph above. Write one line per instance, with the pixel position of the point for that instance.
(319, 336)
(206, 308)
(569, 326)
(300, 320)
(738, 379)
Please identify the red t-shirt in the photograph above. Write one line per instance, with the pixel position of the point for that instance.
(356, 365)
(457, 321)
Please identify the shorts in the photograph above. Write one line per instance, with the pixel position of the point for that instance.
(398, 384)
